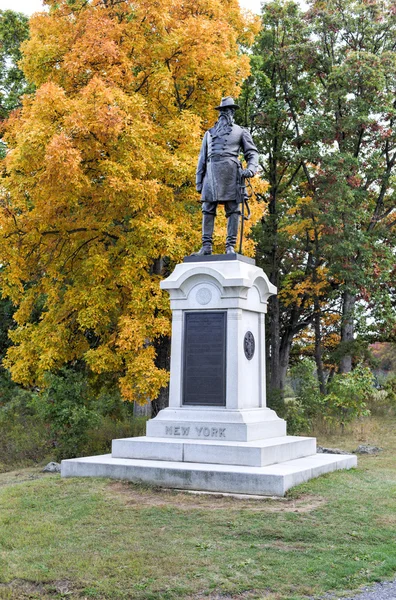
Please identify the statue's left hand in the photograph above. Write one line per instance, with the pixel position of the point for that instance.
(246, 173)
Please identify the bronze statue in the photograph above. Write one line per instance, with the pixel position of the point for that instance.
(220, 176)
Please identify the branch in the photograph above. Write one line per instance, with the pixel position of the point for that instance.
(296, 126)
(70, 231)
(79, 230)
(74, 254)
(359, 142)
(380, 200)
(292, 177)
(303, 324)
(143, 82)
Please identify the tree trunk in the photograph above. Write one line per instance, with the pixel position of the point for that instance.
(162, 347)
(142, 410)
(331, 375)
(162, 361)
(318, 348)
(280, 355)
(284, 355)
(275, 391)
(274, 344)
(347, 330)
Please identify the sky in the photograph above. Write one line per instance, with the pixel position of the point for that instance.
(30, 6)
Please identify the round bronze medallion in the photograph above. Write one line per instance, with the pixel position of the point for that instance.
(249, 345)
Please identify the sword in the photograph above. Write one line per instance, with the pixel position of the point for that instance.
(244, 202)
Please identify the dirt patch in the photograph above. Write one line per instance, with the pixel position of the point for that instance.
(139, 497)
(20, 589)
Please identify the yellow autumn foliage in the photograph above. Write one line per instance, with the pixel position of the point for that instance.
(297, 285)
(98, 180)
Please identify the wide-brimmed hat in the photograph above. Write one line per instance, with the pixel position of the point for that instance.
(227, 102)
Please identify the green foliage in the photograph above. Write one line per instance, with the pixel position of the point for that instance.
(307, 386)
(68, 409)
(390, 388)
(348, 398)
(358, 348)
(383, 400)
(98, 439)
(297, 421)
(308, 402)
(23, 436)
(81, 420)
(320, 104)
(70, 418)
(14, 29)
(275, 402)
(348, 395)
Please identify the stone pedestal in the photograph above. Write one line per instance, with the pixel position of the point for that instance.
(217, 434)
(217, 381)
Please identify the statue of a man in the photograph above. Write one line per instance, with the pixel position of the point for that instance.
(220, 177)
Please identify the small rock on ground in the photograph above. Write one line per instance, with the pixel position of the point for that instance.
(52, 467)
(365, 449)
(322, 450)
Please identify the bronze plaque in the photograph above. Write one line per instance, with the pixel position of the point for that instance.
(204, 358)
(249, 345)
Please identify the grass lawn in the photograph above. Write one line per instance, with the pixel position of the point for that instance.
(95, 538)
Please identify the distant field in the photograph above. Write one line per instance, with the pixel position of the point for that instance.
(102, 539)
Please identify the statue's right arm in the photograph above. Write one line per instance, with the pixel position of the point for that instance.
(201, 168)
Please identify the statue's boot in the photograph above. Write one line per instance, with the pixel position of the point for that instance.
(232, 232)
(207, 234)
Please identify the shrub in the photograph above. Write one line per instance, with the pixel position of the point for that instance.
(390, 388)
(80, 419)
(23, 436)
(348, 396)
(306, 386)
(308, 402)
(70, 417)
(98, 440)
(383, 401)
(276, 402)
(297, 421)
(65, 405)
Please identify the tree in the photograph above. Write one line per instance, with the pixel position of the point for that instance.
(14, 29)
(287, 235)
(355, 64)
(322, 109)
(97, 199)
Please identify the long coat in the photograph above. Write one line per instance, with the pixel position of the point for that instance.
(219, 170)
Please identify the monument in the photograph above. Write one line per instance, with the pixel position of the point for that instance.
(217, 434)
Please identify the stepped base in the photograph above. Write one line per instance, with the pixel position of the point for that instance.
(272, 480)
(258, 453)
